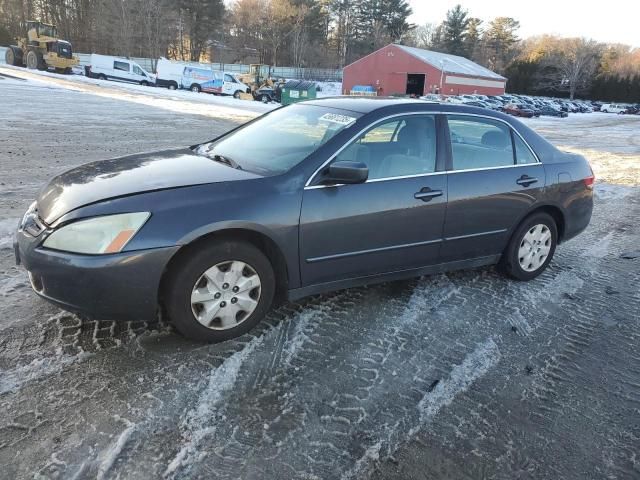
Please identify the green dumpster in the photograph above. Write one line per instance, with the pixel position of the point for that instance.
(298, 90)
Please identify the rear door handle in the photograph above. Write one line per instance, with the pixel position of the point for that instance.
(426, 194)
(526, 180)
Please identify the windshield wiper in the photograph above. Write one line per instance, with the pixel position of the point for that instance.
(227, 161)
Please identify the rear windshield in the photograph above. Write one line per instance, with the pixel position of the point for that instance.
(280, 140)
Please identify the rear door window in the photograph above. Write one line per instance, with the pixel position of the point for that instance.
(479, 143)
(122, 66)
(524, 155)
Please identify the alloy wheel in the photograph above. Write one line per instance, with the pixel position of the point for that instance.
(225, 295)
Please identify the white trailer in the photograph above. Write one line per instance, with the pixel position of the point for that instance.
(106, 67)
(169, 73)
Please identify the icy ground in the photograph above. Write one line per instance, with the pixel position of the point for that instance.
(464, 375)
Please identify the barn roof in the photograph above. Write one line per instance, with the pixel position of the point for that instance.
(450, 63)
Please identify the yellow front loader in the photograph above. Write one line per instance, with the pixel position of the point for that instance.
(41, 49)
(259, 76)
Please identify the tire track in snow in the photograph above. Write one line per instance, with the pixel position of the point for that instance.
(582, 353)
(349, 412)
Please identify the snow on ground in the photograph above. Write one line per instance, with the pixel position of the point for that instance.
(458, 375)
(329, 89)
(7, 229)
(179, 101)
(610, 142)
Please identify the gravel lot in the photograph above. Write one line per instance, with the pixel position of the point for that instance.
(463, 375)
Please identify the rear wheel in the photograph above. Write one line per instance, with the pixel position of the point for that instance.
(219, 291)
(172, 86)
(144, 83)
(195, 88)
(531, 247)
(102, 76)
(11, 57)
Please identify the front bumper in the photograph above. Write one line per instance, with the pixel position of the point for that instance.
(121, 286)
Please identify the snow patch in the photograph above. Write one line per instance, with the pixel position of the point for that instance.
(300, 334)
(606, 191)
(428, 296)
(475, 365)
(8, 227)
(197, 424)
(110, 455)
(359, 470)
(600, 249)
(13, 379)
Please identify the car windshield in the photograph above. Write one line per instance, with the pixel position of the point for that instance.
(280, 140)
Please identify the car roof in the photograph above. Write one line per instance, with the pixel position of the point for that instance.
(366, 105)
(362, 104)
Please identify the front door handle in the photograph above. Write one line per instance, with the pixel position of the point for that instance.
(426, 194)
(526, 180)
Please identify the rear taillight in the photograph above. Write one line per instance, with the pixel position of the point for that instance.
(588, 182)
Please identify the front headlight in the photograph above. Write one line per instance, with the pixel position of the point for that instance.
(99, 235)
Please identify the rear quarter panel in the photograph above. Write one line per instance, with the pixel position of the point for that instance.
(565, 175)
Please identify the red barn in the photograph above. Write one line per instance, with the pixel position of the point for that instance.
(398, 69)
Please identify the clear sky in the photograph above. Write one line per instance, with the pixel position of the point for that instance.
(615, 21)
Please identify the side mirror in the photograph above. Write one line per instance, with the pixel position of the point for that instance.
(346, 172)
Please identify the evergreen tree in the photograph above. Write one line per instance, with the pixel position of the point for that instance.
(473, 38)
(454, 30)
(499, 40)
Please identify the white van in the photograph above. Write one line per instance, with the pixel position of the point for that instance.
(171, 74)
(612, 108)
(233, 86)
(106, 67)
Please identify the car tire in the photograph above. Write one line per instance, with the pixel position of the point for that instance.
(172, 86)
(265, 98)
(523, 259)
(187, 278)
(195, 88)
(236, 94)
(144, 83)
(102, 76)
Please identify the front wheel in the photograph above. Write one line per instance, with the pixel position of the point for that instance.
(219, 290)
(144, 83)
(265, 98)
(236, 94)
(195, 88)
(531, 247)
(35, 60)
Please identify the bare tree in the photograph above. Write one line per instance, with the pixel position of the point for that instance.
(576, 59)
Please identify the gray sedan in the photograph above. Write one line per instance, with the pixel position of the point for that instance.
(318, 196)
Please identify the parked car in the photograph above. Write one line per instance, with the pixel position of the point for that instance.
(613, 108)
(317, 196)
(632, 110)
(106, 67)
(550, 111)
(518, 110)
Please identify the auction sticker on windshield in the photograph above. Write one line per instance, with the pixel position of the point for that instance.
(337, 118)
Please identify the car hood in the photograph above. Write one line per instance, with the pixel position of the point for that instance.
(130, 175)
